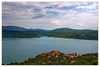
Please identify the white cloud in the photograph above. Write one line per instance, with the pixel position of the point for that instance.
(69, 4)
(79, 20)
(56, 10)
(37, 10)
(22, 10)
(68, 14)
(91, 6)
(57, 22)
(80, 24)
(65, 4)
(77, 15)
(87, 18)
(30, 23)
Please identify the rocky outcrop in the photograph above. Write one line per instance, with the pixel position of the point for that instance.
(52, 53)
(56, 53)
(71, 55)
(56, 57)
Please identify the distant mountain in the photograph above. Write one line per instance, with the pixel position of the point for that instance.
(59, 32)
(13, 28)
(74, 33)
(64, 29)
(17, 34)
(56, 57)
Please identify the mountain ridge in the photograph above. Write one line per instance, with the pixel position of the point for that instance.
(18, 28)
(58, 32)
(13, 28)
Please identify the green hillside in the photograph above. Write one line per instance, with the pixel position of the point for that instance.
(76, 34)
(55, 57)
(17, 34)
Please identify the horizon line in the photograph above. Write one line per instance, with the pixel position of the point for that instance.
(50, 29)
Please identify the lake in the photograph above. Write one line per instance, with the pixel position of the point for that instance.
(20, 49)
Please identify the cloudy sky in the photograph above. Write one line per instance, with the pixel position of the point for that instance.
(51, 15)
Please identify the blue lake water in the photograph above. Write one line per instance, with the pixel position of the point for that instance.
(20, 49)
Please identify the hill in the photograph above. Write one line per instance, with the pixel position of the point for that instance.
(13, 28)
(17, 34)
(59, 32)
(56, 57)
(75, 34)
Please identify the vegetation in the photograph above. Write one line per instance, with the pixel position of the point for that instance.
(76, 34)
(19, 32)
(58, 58)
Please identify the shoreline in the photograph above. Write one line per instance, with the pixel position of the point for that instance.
(52, 53)
(52, 37)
